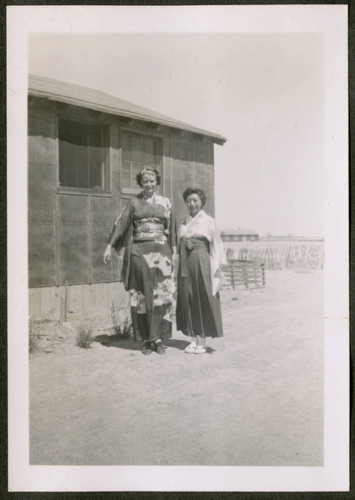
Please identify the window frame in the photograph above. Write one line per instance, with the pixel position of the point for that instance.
(105, 126)
(151, 134)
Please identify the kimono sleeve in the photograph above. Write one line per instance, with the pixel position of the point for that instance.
(172, 232)
(218, 245)
(121, 229)
(218, 259)
(170, 224)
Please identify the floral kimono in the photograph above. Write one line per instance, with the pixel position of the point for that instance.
(201, 255)
(144, 230)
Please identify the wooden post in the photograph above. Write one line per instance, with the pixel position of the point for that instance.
(232, 274)
(255, 274)
(61, 307)
(245, 275)
(66, 301)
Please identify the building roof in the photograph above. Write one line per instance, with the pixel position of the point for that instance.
(239, 232)
(76, 95)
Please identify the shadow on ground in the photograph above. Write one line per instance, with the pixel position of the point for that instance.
(182, 344)
(122, 342)
(118, 341)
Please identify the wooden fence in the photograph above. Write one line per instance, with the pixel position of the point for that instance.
(281, 256)
(244, 273)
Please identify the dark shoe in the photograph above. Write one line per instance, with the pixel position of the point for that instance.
(159, 348)
(146, 348)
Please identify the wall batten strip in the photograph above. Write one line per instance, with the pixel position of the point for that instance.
(89, 230)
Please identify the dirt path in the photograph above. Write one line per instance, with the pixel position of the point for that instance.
(255, 399)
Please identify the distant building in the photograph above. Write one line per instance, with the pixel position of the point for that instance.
(84, 151)
(232, 235)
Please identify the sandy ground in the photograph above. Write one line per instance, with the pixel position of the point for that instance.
(255, 399)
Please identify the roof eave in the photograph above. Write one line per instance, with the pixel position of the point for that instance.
(218, 139)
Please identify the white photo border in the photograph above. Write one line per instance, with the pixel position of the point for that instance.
(331, 20)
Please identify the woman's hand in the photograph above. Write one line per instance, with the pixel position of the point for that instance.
(107, 254)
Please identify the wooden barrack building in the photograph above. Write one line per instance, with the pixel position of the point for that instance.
(84, 150)
(233, 235)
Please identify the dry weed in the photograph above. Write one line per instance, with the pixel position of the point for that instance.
(84, 336)
(121, 321)
(35, 328)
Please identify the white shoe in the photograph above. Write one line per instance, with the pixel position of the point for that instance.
(190, 349)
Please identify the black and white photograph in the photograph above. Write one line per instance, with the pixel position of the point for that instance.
(178, 300)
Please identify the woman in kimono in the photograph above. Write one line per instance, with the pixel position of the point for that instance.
(143, 235)
(201, 255)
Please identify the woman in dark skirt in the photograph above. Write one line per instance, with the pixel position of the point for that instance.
(201, 255)
(144, 236)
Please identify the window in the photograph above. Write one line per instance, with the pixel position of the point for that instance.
(139, 151)
(83, 155)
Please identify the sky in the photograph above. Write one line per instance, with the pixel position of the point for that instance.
(264, 92)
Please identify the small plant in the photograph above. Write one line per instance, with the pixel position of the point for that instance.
(121, 321)
(84, 337)
(33, 339)
(34, 335)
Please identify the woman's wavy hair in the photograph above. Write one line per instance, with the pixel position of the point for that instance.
(197, 191)
(146, 170)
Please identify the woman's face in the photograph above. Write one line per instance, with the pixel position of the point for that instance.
(149, 184)
(194, 204)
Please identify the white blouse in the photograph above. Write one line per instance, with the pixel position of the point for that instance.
(202, 225)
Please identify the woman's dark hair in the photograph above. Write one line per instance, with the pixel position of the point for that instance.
(147, 170)
(197, 191)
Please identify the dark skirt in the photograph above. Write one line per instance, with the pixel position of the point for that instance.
(198, 312)
(151, 289)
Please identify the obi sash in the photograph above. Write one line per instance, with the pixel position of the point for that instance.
(148, 230)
